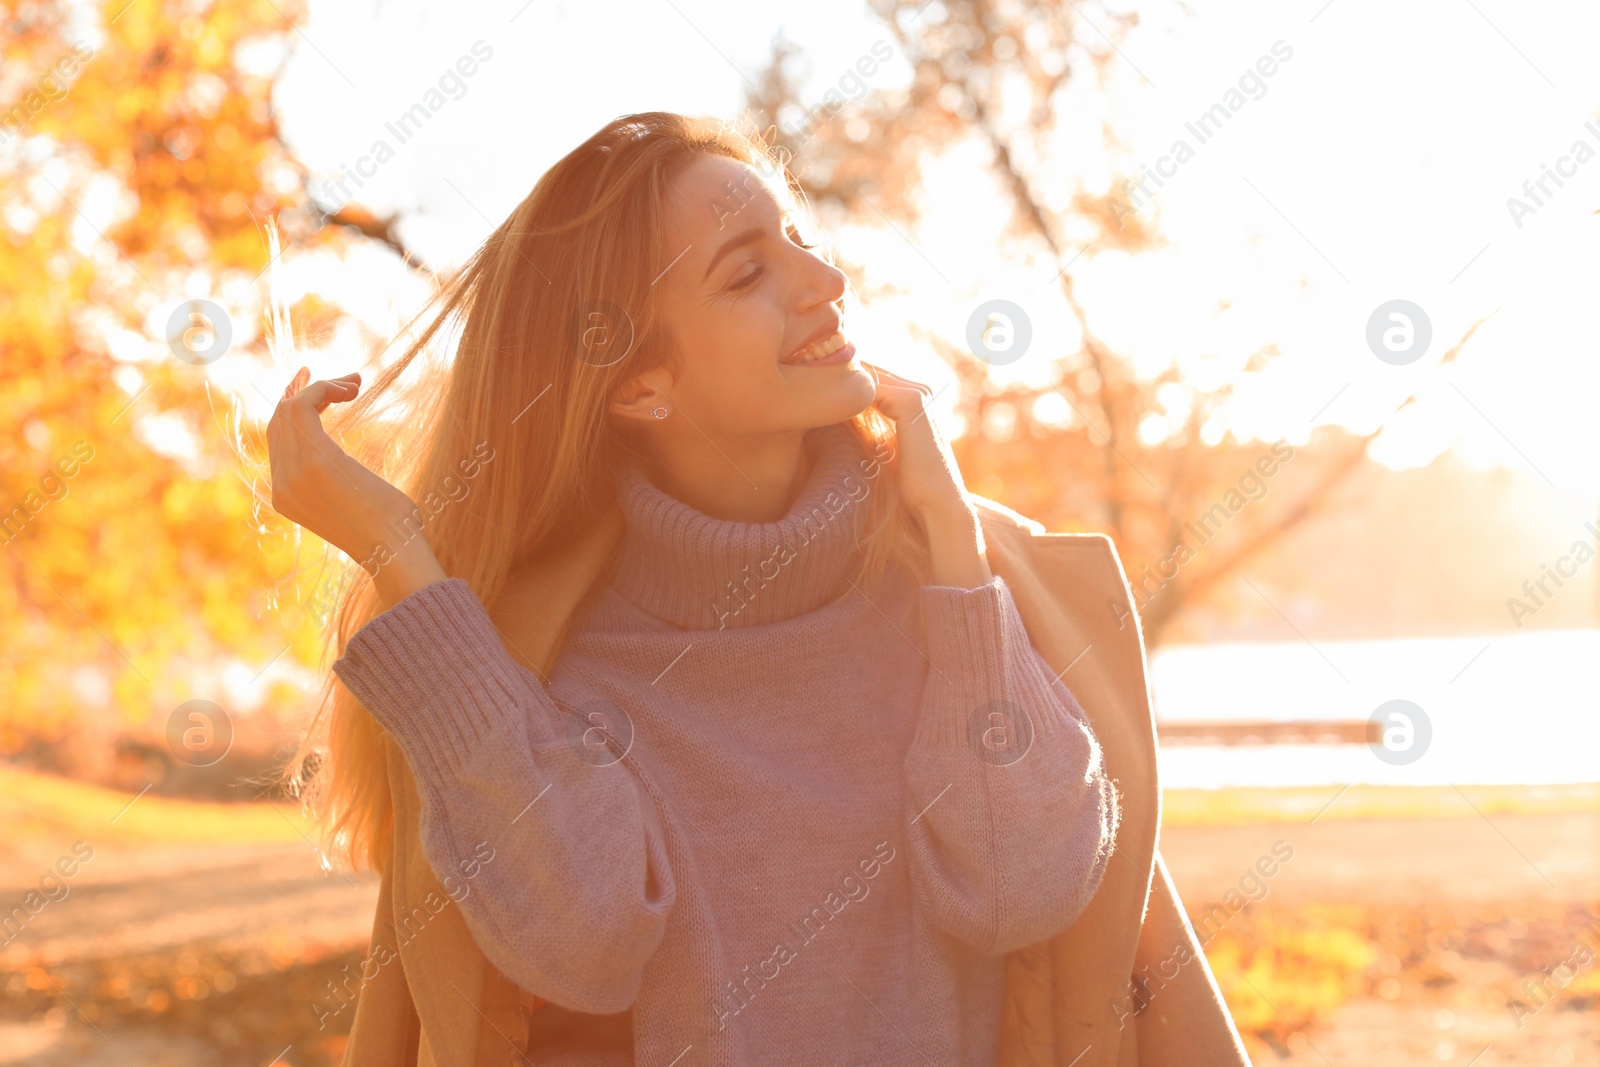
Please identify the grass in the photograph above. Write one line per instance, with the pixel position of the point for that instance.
(42, 807)
(1288, 970)
(1233, 807)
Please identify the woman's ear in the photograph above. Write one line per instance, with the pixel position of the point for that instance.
(637, 397)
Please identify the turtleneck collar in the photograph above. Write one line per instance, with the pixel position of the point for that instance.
(701, 573)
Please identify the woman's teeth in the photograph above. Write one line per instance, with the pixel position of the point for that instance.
(820, 349)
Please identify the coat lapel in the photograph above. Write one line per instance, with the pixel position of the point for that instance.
(1075, 603)
(385, 1027)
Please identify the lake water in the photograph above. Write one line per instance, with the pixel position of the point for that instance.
(1523, 708)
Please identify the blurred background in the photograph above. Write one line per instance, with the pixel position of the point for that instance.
(1295, 301)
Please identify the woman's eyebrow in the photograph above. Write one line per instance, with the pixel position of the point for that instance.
(785, 221)
(733, 242)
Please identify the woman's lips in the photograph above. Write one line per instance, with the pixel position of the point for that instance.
(843, 355)
(843, 352)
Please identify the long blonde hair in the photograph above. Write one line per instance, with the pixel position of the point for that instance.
(587, 237)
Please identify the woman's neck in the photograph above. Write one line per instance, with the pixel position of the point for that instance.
(747, 479)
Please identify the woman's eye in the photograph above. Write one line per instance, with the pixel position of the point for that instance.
(748, 280)
(754, 276)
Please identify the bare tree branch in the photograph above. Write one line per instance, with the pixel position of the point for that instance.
(1173, 596)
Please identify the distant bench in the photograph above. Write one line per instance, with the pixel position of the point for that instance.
(1304, 732)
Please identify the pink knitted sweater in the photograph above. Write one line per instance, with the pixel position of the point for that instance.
(759, 814)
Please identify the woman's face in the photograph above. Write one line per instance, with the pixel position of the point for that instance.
(742, 301)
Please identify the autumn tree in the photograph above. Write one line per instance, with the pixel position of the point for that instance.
(139, 156)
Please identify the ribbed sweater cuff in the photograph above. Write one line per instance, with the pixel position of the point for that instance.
(433, 671)
(984, 663)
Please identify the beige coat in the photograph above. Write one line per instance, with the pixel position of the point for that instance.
(445, 1005)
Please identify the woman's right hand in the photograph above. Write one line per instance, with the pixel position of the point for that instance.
(316, 484)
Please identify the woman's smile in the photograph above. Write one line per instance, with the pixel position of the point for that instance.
(830, 350)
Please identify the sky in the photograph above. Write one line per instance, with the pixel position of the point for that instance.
(1374, 164)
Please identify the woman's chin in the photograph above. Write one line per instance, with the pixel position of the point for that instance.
(856, 390)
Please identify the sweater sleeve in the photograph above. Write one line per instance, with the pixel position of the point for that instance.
(555, 857)
(1011, 817)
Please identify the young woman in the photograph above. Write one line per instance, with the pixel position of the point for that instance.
(798, 781)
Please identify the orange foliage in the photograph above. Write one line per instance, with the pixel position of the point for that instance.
(133, 184)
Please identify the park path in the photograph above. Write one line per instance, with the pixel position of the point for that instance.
(134, 900)
(1498, 856)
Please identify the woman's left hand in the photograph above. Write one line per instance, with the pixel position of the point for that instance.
(930, 481)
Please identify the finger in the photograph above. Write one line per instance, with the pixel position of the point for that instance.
(329, 391)
(887, 373)
(306, 405)
(899, 379)
(898, 394)
(339, 392)
(909, 383)
(296, 383)
(883, 377)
